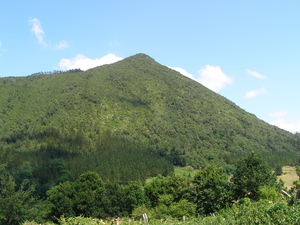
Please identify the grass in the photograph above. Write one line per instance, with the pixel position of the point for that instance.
(187, 171)
(288, 176)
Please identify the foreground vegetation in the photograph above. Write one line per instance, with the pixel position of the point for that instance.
(250, 213)
(252, 193)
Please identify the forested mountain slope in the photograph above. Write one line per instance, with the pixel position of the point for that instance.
(135, 106)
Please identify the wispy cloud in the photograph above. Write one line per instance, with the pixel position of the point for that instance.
(278, 114)
(256, 74)
(283, 124)
(37, 30)
(85, 63)
(254, 93)
(182, 71)
(62, 45)
(213, 78)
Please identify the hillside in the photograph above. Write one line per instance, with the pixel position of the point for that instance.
(133, 105)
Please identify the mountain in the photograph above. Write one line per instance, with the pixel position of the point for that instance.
(133, 105)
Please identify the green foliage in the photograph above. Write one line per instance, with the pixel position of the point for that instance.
(156, 187)
(91, 197)
(252, 173)
(139, 211)
(187, 171)
(298, 171)
(296, 183)
(183, 208)
(212, 190)
(278, 170)
(86, 196)
(61, 198)
(134, 197)
(255, 213)
(16, 204)
(269, 194)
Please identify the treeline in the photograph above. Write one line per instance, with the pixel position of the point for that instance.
(174, 196)
(57, 71)
(61, 156)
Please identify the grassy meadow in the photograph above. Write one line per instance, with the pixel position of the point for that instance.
(288, 176)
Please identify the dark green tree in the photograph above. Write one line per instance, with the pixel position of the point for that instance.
(62, 200)
(156, 187)
(212, 190)
(135, 197)
(251, 173)
(58, 169)
(89, 196)
(278, 170)
(85, 196)
(15, 204)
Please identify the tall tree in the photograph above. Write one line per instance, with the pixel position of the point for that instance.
(251, 173)
(212, 189)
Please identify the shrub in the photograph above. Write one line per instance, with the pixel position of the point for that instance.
(269, 193)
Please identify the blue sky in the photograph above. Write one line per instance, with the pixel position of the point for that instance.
(247, 51)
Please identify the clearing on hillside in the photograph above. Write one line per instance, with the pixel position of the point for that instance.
(288, 176)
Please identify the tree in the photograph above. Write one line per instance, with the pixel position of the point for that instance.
(212, 190)
(15, 205)
(278, 170)
(183, 208)
(135, 197)
(156, 187)
(61, 197)
(251, 173)
(298, 171)
(85, 196)
(89, 197)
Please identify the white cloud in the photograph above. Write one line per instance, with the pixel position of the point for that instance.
(0, 44)
(283, 124)
(182, 71)
(254, 93)
(213, 78)
(62, 45)
(85, 63)
(278, 114)
(256, 74)
(38, 31)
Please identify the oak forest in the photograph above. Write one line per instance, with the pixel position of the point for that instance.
(85, 147)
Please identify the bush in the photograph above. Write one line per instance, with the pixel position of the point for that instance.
(269, 193)
(138, 212)
(183, 208)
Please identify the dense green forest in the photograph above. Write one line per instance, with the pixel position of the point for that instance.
(137, 105)
(74, 142)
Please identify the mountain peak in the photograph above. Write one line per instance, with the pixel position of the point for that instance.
(140, 56)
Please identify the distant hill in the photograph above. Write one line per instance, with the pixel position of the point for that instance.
(135, 104)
